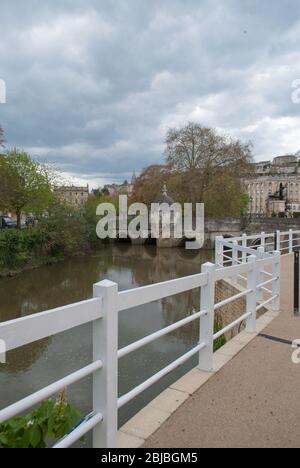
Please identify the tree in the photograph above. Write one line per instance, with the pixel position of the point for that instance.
(201, 166)
(197, 147)
(25, 185)
(225, 197)
(148, 185)
(96, 192)
(105, 192)
(245, 202)
(202, 154)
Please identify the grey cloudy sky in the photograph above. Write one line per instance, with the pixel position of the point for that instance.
(93, 85)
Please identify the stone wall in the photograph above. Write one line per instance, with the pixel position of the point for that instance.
(272, 224)
(231, 312)
(234, 227)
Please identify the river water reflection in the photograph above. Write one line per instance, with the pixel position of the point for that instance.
(41, 363)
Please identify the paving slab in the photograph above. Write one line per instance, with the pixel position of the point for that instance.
(190, 382)
(144, 423)
(169, 400)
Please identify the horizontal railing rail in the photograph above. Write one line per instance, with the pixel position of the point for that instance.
(155, 378)
(226, 273)
(253, 269)
(232, 325)
(26, 330)
(155, 292)
(80, 431)
(240, 295)
(35, 398)
(160, 333)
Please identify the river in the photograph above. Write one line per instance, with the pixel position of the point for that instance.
(30, 368)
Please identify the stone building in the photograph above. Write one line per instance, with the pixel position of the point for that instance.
(121, 189)
(280, 165)
(275, 187)
(73, 195)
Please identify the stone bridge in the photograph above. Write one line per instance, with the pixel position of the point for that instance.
(230, 227)
(234, 227)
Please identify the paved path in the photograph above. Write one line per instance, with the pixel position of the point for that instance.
(254, 401)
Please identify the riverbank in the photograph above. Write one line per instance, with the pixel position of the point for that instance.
(54, 239)
(29, 249)
(38, 263)
(36, 260)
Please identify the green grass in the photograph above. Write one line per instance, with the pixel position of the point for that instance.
(220, 341)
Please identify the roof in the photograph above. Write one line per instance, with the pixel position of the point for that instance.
(71, 188)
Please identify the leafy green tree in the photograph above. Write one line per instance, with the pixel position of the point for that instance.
(245, 201)
(25, 185)
(63, 231)
(96, 192)
(105, 192)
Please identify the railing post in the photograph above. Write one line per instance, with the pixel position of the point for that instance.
(244, 244)
(235, 257)
(276, 283)
(235, 247)
(278, 243)
(263, 240)
(219, 251)
(207, 322)
(251, 296)
(260, 276)
(291, 241)
(261, 251)
(105, 381)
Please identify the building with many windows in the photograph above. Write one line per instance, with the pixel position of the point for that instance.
(274, 188)
(72, 195)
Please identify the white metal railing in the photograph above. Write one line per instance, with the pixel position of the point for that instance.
(20, 332)
(281, 241)
(253, 267)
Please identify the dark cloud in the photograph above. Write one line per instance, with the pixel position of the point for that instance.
(93, 85)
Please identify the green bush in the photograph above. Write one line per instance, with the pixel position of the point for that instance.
(64, 231)
(17, 247)
(61, 232)
(52, 420)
